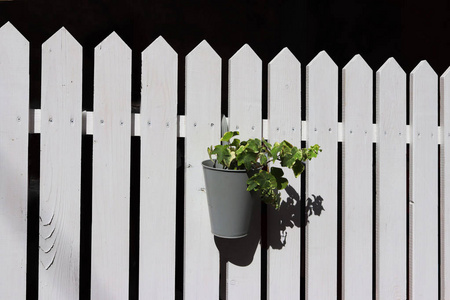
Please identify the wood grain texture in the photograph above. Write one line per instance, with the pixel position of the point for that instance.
(445, 187)
(14, 97)
(111, 170)
(60, 177)
(158, 171)
(203, 119)
(424, 214)
(321, 181)
(357, 202)
(391, 182)
(245, 116)
(283, 226)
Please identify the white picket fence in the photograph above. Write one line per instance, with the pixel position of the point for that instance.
(412, 252)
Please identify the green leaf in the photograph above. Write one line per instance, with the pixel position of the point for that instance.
(298, 168)
(223, 154)
(262, 181)
(291, 157)
(276, 148)
(254, 145)
(210, 149)
(241, 149)
(247, 159)
(235, 143)
(263, 159)
(228, 135)
(278, 173)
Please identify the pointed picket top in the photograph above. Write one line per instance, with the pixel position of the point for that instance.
(321, 60)
(423, 69)
(284, 57)
(357, 63)
(112, 40)
(245, 53)
(9, 36)
(60, 39)
(446, 73)
(391, 65)
(159, 47)
(203, 51)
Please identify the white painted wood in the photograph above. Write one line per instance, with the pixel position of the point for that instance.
(423, 258)
(203, 93)
(60, 172)
(445, 187)
(321, 181)
(245, 116)
(111, 170)
(283, 226)
(158, 171)
(14, 89)
(391, 182)
(357, 202)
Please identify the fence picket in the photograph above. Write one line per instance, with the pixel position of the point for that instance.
(391, 182)
(158, 171)
(283, 226)
(245, 111)
(321, 232)
(203, 119)
(59, 222)
(14, 89)
(445, 187)
(423, 224)
(111, 170)
(357, 201)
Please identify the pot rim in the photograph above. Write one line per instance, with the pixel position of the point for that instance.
(206, 166)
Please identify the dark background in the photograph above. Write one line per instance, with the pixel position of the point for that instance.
(409, 31)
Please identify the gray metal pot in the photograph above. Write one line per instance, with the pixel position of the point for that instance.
(230, 204)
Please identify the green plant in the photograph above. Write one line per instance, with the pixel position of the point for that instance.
(255, 155)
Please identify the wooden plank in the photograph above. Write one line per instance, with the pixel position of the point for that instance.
(283, 226)
(245, 113)
(60, 172)
(14, 89)
(158, 171)
(391, 182)
(203, 93)
(423, 226)
(111, 170)
(321, 231)
(445, 187)
(357, 203)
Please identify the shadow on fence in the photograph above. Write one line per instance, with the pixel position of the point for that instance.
(241, 251)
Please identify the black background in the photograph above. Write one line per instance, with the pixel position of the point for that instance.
(409, 31)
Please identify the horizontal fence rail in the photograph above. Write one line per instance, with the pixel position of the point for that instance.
(87, 123)
(369, 219)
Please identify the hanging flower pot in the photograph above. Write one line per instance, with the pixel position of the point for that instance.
(230, 204)
(237, 175)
